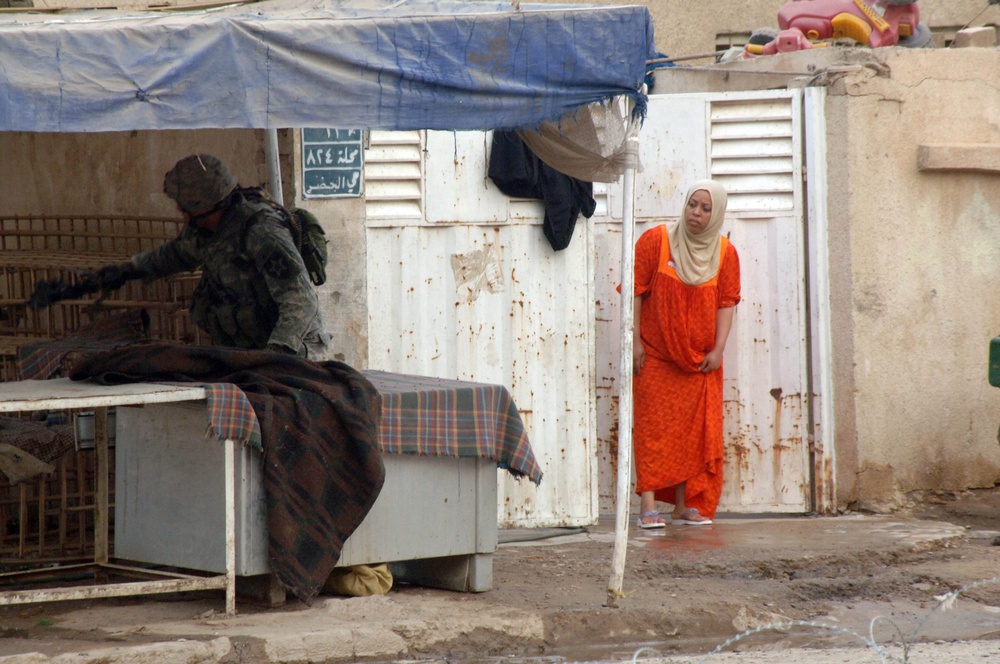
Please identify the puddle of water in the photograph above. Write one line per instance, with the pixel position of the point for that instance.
(692, 650)
(691, 539)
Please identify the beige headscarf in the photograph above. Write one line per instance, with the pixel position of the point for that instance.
(696, 257)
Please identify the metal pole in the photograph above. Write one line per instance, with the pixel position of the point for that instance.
(624, 485)
(273, 164)
(230, 484)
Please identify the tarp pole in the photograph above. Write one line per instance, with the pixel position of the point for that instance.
(273, 164)
(622, 495)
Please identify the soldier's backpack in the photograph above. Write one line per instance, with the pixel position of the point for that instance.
(307, 233)
(311, 242)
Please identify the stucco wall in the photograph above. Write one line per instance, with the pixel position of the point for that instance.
(922, 250)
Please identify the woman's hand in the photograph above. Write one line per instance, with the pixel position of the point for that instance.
(712, 361)
(638, 355)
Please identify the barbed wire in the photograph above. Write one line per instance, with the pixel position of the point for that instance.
(945, 603)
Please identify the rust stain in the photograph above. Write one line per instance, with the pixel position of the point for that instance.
(738, 439)
(751, 455)
(613, 437)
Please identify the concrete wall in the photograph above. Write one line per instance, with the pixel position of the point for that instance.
(916, 274)
(112, 173)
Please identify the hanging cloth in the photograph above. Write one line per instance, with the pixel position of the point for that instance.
(518, 172)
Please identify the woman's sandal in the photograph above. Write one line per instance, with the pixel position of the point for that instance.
(651, 514)
(691, 517)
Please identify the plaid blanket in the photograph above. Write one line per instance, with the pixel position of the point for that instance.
(46, 442)
(45, 359)
(319, 427)
(440, 417)
(230, 415)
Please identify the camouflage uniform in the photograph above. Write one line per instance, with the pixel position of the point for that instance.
(254, 289)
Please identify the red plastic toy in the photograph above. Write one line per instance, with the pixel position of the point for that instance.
(876, 23)
(787, 41)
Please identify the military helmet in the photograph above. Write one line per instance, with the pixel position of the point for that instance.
(198, 181)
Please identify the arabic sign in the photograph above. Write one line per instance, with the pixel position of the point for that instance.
(332, 163)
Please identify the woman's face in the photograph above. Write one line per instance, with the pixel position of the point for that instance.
(698, 212)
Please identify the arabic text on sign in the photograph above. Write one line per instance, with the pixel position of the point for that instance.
(318, 156)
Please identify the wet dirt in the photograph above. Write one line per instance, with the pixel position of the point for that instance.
(686, 590)
(690, 589)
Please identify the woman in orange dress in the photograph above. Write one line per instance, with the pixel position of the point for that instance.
(687, 285)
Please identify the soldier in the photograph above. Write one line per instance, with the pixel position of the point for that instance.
(254, 291)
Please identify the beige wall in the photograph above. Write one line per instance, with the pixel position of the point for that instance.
(112, 173)
(344, 296)
(916, 279)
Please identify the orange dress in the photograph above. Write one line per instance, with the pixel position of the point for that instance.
(677, 433)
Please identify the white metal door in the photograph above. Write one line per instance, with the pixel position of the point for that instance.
(463, 284)
(752, 143)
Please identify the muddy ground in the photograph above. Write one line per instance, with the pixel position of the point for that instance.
(686, 598)
(691, 601)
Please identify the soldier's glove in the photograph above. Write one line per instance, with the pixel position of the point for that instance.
(113, 277)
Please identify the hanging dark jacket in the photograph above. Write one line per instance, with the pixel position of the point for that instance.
(518, 172)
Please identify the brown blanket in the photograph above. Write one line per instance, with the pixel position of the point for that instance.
(319, 427)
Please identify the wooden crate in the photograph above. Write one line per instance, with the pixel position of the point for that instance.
(39, 248)
(48, 515)
(51, 516)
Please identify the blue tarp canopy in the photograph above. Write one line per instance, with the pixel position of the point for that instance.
(363, 64)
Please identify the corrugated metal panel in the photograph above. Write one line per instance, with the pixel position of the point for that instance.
(766, 395)
(494, 303)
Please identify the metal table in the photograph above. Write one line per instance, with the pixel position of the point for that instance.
(63, 394)
(435, 521)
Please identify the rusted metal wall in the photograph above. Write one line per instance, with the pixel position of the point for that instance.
(751, 142)
(462, 284)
